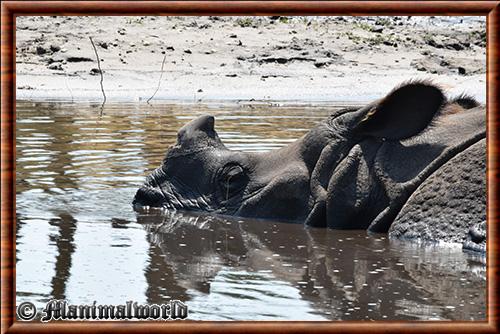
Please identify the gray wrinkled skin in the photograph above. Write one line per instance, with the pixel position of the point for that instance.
(411, 164)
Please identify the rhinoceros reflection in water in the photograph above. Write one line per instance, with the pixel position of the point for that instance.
(341, 274)
(411, 164)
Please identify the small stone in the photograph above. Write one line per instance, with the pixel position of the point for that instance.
(455, 46)
(188, 51)
(55, 48)
(55, 66)
(40, 50)
(233, 36)
(461, 70)
(200, 90)
(95, 71)
(320, 64)
(434, 43)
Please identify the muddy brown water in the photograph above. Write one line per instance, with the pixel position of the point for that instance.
(79, 239)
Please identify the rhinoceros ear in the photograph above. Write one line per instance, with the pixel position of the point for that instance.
(203, 123)
(403, 113)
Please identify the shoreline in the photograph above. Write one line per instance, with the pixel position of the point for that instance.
(371, 88)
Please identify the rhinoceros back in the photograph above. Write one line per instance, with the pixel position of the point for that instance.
(449, 202)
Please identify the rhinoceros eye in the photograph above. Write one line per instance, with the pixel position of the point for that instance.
(232, 179)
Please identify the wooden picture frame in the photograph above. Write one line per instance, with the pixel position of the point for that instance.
(11, 9)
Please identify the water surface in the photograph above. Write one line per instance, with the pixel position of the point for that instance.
(79, 239)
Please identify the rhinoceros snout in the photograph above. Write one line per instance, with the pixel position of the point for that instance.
(148, 196)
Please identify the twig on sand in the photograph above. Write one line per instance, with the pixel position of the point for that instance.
(100, 72)
(159, 80)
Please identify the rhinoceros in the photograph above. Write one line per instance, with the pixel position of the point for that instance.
(412, 164)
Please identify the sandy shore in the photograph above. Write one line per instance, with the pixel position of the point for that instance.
(302, 59)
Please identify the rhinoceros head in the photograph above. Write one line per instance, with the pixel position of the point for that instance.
(200, 173)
